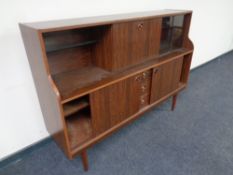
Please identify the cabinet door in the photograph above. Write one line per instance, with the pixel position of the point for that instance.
(129, 43)
(138, 41)
(135, 41)
(165, 79)
(113, 104)
(154, 32)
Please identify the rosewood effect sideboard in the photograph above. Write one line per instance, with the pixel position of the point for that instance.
(94, 75)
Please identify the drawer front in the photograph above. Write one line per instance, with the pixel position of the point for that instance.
(144, 87)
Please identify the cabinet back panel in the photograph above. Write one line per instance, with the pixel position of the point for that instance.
(69, 59)
(71, 49)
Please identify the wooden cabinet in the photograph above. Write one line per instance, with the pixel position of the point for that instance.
(95, 75)
(165, 79)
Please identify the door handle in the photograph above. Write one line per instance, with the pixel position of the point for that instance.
(155, 70)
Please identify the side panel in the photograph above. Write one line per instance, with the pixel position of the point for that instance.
(47, 93)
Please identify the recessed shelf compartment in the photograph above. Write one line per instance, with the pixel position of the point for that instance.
(70, 82)
(79, 128)
(59, 40)
(73, 49)
(75, 106)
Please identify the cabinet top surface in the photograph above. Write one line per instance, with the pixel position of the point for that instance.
(56, 25)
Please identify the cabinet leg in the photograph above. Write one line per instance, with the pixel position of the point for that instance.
(84, 160)
(174, 101)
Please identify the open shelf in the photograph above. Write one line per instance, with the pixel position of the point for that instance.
(59, 40)
(75, 106)
(79, 128)
(62, 47)
(69, 82)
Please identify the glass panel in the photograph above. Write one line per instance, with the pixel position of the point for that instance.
(172, 32)
(177, 31)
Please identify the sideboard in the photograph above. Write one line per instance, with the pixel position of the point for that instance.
(94, 75)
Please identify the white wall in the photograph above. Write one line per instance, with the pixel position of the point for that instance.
(21, 122)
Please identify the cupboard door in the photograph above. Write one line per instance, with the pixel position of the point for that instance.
(135, 41)
(121, 45)
(165, 79)
(138, 41)
(155, 26)
(113, 104)
(130, 43)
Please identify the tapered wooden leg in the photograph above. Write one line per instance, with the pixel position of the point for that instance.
(174, 101)
(84, 160)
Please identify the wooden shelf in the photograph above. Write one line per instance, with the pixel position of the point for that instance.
(75, 106)
(69, 82)
(79, 128)
(62, 47)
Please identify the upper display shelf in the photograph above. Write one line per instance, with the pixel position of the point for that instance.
(56, 25)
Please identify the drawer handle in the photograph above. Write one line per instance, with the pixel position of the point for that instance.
(140, 26)
(138, 78)
(143, 88)
(144, 75)
(142, 101)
